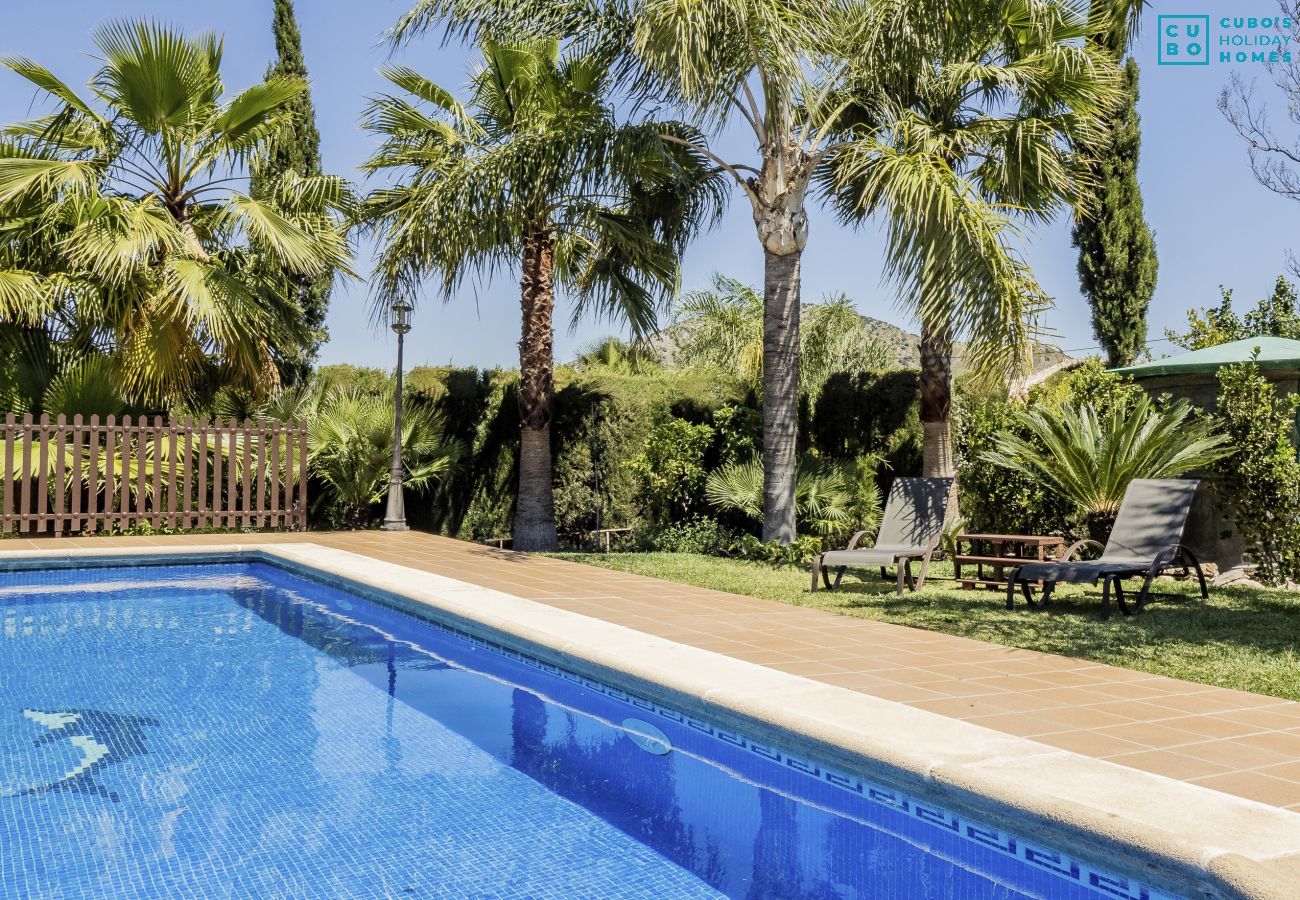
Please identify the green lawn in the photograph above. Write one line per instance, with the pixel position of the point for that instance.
(1243, 638)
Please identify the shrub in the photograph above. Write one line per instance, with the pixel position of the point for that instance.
(799, 553)
(671, 467)
(868, 413)
(1261, 480)
(698, 535)
(1088, 384)
(1274, 315)
(993, 499)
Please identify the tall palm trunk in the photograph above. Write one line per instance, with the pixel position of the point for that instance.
(777, 197)
(535, 510)
(936, 399)
(780, 393)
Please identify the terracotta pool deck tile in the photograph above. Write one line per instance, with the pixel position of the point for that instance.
(1170, 764)
(1140, 710)
(1021, 724)
(1266, 717)
(953, 687)
(899, 693)
(1233, 753)
(1210, 726)
(1278, 741)
(1089, 743)
(1255, 786)
(1233, 741)
(957, 708)
(1083, 718)
(1152, 734)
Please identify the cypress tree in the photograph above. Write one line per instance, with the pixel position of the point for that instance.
(1117, 253)
(295, 149)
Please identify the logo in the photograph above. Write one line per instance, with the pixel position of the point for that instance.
(1187, 41)
(1184, 40)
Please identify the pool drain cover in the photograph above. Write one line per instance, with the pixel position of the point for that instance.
(647, 737)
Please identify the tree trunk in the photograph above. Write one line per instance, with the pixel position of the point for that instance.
(780, 393)
(936, 399)
(535, 508)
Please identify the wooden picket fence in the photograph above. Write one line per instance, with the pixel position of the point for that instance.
(84, 476)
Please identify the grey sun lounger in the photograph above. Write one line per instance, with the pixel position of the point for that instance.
(1146, 541)
(910, 529)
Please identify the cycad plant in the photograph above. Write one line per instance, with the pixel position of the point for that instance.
(350, 445)
(125, 229)
(1090, 457)
(536, 174)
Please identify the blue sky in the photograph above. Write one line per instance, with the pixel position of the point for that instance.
(1214, 224)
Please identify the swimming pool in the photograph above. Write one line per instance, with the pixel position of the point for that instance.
(238, 729)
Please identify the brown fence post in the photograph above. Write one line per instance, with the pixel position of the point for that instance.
(11, 483)
(75, 480)
(110, 470)
(155, 500)
(301, 517)
(42, 473)
(187, 472)
(232, 476)
(126, 454)
(92, 475)
(245, 487)
(25, 497)
(60, 492)
(218, 459)
(203, 476)
(261, 473)
(276, 433)
(141, 468)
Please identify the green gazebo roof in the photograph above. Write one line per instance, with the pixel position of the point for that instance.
(1274, 353)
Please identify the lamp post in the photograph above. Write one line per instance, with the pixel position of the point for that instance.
(395, 517)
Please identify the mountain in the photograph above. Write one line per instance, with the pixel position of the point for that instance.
(904, 346)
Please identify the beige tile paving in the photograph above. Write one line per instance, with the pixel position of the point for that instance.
(1232, 741)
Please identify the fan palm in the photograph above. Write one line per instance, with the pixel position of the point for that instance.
(350, 446)
(956, 154)
(535, 172)
(123, 232)
(1090, 458)
(832, 499)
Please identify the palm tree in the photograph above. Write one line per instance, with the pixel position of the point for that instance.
(956, 154)
(722, 327)
(350, 445)
(771, 65)
(124, 233)
(618, 357)
(832, 498)
(1090, 458)
(535, 171)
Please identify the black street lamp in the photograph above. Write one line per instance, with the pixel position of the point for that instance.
(395, 518)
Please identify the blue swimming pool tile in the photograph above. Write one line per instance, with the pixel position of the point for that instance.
(237, 730)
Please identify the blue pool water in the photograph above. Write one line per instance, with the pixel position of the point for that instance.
(237, 730)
